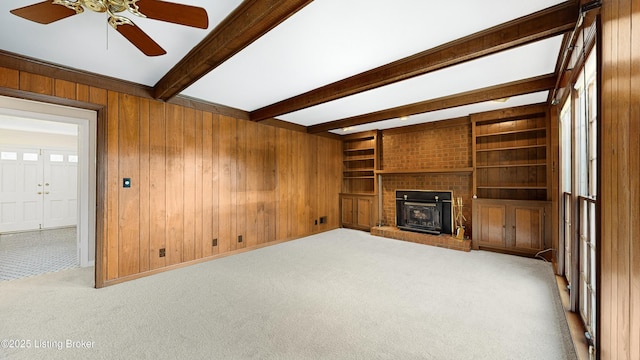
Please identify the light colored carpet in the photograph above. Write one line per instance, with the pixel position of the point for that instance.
(338, 295)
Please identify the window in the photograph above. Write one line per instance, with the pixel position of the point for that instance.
(586, 170)
(8, 155)
(56, 158)
(30, 157)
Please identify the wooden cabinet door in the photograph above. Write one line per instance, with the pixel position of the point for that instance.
(347, 207)
(528, 227)
(364, 212)
(357, 211)
(491, 220)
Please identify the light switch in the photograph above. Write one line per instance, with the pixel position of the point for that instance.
(126, 182)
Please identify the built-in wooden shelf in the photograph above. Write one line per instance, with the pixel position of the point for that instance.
(515, 187)
(507, 166)
(358, 158)
(467, 170)
(361, 149)
(360, 169)
(513, 148)
(358, 177)
(512, 132)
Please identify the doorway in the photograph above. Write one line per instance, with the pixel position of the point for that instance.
(81, 163)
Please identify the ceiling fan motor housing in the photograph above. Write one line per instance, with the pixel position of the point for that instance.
(95, 5)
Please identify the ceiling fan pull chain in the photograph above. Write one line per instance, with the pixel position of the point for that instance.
(75, 6)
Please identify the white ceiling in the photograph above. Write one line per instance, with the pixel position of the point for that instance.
(326, 41)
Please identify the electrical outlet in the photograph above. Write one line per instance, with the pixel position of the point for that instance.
(239, 238)
(163, 252)
(214, 242)
(323, 220)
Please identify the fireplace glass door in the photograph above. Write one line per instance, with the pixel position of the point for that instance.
(423, 216)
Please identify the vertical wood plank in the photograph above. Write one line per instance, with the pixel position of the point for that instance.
(614, 327)
(207, 184)
(98, 96)
(129, 198)
(224, 178)
(239, 184)
(624, 222)
(215, 182)
(314, 197)
(304, 165)
(322, 183)
(65, 89)
(253, 173)
(144, 182)
(296, 202)
(82, 92)
(174, 183)
(270, 199)
(283, 159)
(606, 173)
(634, 165)
(36, 83)
(189, 185)
(199, 190)
(112, 225)
(157, 184)
(9, 78)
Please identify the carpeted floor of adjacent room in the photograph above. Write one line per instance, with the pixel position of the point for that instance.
(342, 294)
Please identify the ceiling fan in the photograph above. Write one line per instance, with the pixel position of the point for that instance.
(49, 11)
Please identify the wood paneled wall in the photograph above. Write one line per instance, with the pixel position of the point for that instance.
(196, 176)
(620, 179)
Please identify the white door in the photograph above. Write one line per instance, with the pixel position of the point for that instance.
(60, 188)
(21, 189)
(38, 189)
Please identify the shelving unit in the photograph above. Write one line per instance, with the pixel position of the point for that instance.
(511, 180)
(360, 160)
(359, 186)
(510, 158)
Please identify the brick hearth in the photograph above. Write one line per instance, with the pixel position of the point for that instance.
(445, 241)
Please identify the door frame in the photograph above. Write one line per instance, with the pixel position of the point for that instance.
(88, 117)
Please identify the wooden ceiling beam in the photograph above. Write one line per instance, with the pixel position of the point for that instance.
(247, 23)
(534, 27)
(515, 88)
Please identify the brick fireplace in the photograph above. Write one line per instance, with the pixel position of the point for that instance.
(441, 145)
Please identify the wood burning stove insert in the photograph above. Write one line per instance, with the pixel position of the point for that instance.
(424, 211)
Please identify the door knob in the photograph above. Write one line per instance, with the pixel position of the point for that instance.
(46, 192)
(39, 192)
(39, 184)
(46, 184)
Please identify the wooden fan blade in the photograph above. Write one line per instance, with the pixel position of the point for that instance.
(174, 13)
(44, 12)
(140, 39)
